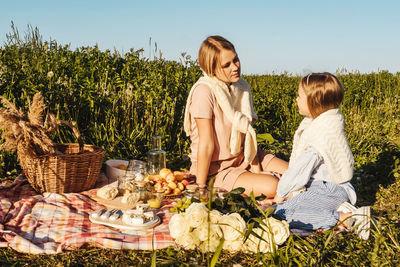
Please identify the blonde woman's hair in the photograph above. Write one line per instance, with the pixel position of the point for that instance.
(323, 90)
(210, 51)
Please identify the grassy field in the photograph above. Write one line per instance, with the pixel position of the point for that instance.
(120, 101)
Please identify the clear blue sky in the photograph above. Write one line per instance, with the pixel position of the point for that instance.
(269, 36)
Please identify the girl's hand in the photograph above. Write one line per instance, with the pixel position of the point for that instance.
(278, 199)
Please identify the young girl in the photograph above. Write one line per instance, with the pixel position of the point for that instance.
(321, 163)
(218, 118)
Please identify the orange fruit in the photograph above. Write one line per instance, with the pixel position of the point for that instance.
(122, 167)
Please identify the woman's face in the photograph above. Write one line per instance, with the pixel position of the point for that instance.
(302, 103)
(228, 69)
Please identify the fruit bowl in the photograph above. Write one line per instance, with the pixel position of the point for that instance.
(117, 167)
(114, 168)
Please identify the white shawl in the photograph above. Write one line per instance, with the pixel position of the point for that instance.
(237, 106)
(326, 134)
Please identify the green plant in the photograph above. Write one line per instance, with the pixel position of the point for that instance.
(120, 101)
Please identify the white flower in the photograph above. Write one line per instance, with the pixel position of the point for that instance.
(206, 231)
(279, 229)
(188, 240)
(196, 214)
(254, 244)
(128, 92)
(210, 245)
(232, 226)
(178, 225)
(233, 246)
(130, 86)
(50, 74)
(215, 216)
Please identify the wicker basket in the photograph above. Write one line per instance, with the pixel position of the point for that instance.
(75, 171)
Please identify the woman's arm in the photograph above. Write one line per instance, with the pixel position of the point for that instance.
(205, 149)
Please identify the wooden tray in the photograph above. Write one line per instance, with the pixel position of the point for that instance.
(123, 226)
(115, 203)
(172, 196)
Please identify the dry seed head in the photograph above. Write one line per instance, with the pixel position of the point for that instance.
(26, 134)
(36, 110)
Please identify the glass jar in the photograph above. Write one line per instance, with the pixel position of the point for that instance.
(192, 191)
(219, 193)
(203, 193)
(136, 170)
(155, 200)
(140, 171)
(156, 157)
(144, 194)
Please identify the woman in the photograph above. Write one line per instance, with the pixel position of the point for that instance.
(218, 117)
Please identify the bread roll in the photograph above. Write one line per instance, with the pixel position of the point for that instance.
(130, 199)
(130, 186)
(108, 192)
(164, 172)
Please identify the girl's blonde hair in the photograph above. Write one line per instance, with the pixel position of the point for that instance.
(210, 51)
(323, 90)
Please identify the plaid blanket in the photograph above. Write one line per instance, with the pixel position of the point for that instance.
(50, 223)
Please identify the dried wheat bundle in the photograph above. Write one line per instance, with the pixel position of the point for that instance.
(27, 133)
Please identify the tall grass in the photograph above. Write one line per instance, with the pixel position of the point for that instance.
(120, 101)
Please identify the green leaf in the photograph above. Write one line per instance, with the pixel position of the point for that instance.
(214, 259)
(265, 137)
(261, 197)
(237, 191)
(249, 230)
(269, 211)
(154, 259)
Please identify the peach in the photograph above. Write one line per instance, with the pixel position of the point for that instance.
(179, 175)
(185, 182)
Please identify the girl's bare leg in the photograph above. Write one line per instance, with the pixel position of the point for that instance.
(258, 183)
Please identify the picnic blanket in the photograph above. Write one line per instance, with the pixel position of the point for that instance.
(51, 223)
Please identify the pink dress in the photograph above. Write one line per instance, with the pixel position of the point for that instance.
(224, 166)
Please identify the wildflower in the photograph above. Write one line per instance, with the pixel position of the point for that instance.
(128, 92)
(129, 89)
(50, 74)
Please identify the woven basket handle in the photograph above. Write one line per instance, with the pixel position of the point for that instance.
(76, 133)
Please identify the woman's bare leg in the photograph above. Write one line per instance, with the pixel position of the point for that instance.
(277, 165)
(258, 183)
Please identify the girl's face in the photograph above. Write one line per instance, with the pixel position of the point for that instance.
(302, 103)
(228, 69)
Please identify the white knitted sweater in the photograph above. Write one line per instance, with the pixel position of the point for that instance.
(326, 134)
(237, 105)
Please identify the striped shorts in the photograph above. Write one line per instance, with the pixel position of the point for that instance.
(314, 208)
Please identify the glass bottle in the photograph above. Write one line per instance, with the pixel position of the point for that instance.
(156, 157)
